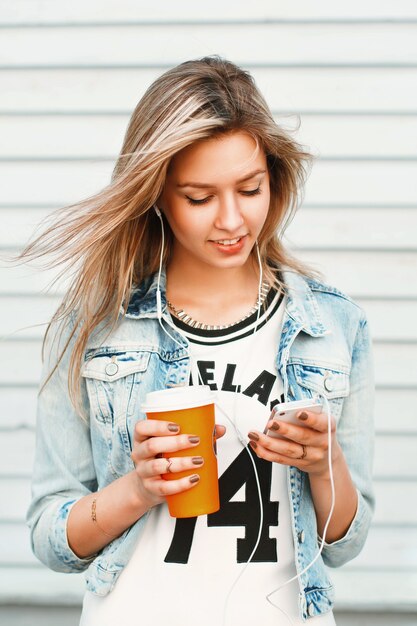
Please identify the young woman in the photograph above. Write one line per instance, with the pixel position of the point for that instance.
(204, 156)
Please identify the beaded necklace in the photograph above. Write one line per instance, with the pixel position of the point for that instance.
(190, 321)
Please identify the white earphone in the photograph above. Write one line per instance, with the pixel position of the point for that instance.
(158, 288)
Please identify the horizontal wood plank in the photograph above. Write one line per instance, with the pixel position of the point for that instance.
(285, 89)
(390, 496)
(341, 136)
(395, 363)
(18, 279)
(377, 590)
(40, 586)
(19, 408)
(395, 457)
(15, 546)
(383, 316)
(15, 499)
(356, 183)
(395, 410)
(360, 274)
(330, 183)
(389, 459)
(15, 320)
(369, 590)
(38, 615)
(114, 11)
(333, 136)
(385, 548)
(391, 320)
(136, 45)
(72, 136)
(17, 462)
(315, 228)
(56, 183)
(366, 274)
(350, 229)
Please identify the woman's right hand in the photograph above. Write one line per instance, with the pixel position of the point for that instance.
(152, 438)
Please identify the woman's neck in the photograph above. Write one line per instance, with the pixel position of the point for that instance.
(215, 296)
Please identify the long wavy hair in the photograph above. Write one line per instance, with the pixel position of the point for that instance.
(111, 241)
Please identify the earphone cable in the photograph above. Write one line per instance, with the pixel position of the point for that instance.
(243, 441)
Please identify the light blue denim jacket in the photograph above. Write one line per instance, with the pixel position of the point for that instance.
(325, 348)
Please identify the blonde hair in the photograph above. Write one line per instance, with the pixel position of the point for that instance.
(111, 241)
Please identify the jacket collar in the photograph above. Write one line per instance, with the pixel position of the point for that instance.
(143, 298)
(302, 305)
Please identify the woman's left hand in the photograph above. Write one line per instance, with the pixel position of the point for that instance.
(305, 446)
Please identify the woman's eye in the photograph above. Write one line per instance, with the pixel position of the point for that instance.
(195, 202)
(249, 192)
(252, 192)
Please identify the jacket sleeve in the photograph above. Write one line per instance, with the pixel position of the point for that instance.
(355, 433)
(63, 468)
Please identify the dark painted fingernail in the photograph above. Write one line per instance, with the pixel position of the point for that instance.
(274, 426)
(253, 444)
(303, 416)
(194, 439)
(197, 460)
(173, 428)
(194, 478)
(253, 436)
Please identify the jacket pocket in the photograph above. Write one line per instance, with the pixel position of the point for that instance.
(315, 381)
(112, 379)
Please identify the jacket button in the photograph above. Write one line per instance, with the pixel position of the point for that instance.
(111, 369)
(310, 609)
(301, 536)
(328, 383)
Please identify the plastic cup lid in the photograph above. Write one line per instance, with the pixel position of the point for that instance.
(176, 398)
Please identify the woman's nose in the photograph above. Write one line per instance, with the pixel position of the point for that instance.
(229, 216)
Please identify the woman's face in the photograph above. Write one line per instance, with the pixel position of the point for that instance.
(216, 199)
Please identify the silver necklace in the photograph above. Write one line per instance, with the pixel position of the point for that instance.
(190, 321)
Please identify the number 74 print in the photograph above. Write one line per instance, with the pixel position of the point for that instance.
(247, 513)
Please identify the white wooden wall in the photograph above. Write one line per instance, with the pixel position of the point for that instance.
(71, 74)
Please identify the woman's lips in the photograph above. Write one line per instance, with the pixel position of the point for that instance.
(229, 246)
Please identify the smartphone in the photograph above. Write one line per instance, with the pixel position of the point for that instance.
(287, 411)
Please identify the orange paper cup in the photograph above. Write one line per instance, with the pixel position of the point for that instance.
(192, 408)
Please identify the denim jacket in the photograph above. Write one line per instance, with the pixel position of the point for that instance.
(325, 348)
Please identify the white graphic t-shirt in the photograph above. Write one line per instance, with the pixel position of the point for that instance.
(189, 571)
